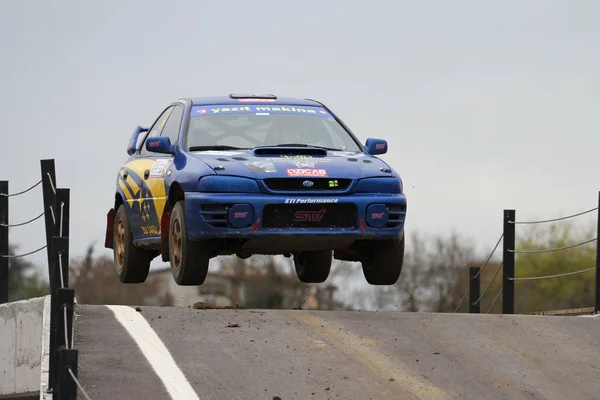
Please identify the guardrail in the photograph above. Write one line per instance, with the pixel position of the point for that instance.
(62, 376)
(507, 290)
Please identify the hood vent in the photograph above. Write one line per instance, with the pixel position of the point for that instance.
(289, 151)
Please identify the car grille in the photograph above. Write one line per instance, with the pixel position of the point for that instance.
(297, 184)
(397, 214)
(215, 214)
(309, 215)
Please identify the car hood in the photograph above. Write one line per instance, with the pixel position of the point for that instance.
(276, 162)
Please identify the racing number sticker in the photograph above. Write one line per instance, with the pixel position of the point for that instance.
(157, 169)
(306, 172)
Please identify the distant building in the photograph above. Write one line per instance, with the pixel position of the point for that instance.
(245, 287)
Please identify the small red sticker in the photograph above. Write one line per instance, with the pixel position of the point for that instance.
(306, 172)
(380, 146)
(201, 111)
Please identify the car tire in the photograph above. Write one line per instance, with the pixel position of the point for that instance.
(132, 263)
(385, 264)
(313, 266)
(189, 260)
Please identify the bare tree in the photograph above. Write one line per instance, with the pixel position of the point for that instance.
(433, 277)
(95, 282)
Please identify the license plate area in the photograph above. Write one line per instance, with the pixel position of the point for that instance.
(309, 215)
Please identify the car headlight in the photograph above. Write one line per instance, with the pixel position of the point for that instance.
(227, 184)
(379, 185)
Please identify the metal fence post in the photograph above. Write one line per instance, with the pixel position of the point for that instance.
(597, 305)
(49, 196)
(4, 241)
(58, 276)
(51, 222)
(508, 261)
(474, 288)
(66, 388)
(65, 330)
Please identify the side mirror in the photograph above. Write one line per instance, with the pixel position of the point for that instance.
(376, 146)
(132, 145)
(160, 144)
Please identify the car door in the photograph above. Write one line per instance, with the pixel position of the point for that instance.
(155, 196)
(137, 185)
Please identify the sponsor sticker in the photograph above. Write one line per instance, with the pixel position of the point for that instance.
(259, 108)
(377, 215)
(261, 166)
(240, 214)
(311, 201)
(307, 172)
(158, 168)
(219, 153)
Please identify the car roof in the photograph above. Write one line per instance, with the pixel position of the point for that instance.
(252, 99)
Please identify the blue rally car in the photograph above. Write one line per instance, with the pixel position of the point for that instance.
(255, 174)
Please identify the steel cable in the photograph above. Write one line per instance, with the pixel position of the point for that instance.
(491, 254)
(489, 284)
(495, 300)
(531, 278)
(52, 214)
(22, 223)
(62, 206)
(51, 183)
(550, 250)
(461, 300)
(553, 220)
(23, 255)
(20, 193)
(78, 384)
(66, 332)
(478, 273)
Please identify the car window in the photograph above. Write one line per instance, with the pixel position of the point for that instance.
(156, 129)
(173, 124)
(260, 125)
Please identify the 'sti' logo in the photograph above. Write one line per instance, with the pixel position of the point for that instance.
(310, 216)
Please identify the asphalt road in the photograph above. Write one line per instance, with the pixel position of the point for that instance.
(183, 353)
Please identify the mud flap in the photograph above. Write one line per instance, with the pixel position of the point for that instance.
(110, 226)
(164, 234)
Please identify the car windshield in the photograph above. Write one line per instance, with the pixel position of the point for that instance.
(223, 127)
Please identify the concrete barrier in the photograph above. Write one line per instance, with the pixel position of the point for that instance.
(21, 347)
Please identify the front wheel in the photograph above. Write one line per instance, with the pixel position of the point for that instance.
(131, 262)
(384, 265)
(189, 260)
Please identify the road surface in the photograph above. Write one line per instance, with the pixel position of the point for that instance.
(184, 353)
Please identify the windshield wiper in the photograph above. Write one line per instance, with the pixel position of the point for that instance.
(216, 147)
(306, 145)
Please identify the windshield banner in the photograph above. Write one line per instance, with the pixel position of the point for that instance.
(259, 109)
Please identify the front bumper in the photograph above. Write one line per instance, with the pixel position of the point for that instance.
(253, 215)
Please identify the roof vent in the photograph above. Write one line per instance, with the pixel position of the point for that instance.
(252, 96)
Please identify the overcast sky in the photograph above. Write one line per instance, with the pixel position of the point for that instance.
(486, 105)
